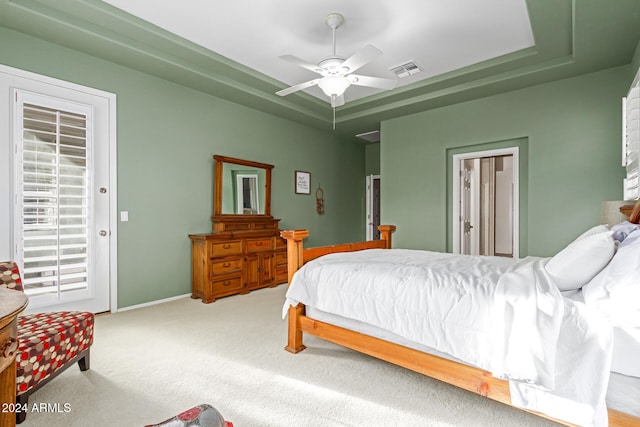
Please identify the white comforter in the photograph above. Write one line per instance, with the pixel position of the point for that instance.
(498, 314)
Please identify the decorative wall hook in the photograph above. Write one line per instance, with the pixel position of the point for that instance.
(320, 200)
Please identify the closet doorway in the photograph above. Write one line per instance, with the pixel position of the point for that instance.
(485, 202)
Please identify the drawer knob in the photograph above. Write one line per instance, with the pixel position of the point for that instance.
(9, 348)
(227, 283)
(258, 243)
(226, 265)
(226, 246)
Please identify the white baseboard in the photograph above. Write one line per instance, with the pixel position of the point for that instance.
(150, 303)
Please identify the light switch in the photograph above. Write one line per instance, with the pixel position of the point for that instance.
(124, 216)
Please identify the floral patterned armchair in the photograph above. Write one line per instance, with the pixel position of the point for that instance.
(48, 343)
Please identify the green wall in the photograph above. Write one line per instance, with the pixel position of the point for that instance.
(167, 136)
(372, 159)
(573, 133)
(635, 61)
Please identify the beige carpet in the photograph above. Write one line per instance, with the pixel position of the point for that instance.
(151, 363)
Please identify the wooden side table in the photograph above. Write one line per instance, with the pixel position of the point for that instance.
(11, 304)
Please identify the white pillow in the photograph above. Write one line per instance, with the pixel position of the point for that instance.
(623, 264)
(601, 228)
(615, 291)
(580, 261)
(625, 270)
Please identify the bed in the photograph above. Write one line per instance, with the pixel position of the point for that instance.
(603, 360)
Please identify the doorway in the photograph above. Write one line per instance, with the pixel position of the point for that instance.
(61, 216)
(247, 194)
(485, 202)
(373, 207)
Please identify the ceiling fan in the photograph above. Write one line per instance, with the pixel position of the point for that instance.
(336, 71)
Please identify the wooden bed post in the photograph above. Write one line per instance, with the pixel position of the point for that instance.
(294, 262)
(635, 213)
(385, 234)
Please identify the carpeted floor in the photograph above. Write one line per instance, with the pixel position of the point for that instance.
(151, 363)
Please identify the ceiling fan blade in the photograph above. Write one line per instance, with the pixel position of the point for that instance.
(369, 81)
(361, 57)
(337, 101)
(302, 63)
(299, 86)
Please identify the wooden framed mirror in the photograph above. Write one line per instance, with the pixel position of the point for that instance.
(241, 187)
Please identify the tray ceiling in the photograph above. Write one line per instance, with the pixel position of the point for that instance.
(439, 35)
(466, 48)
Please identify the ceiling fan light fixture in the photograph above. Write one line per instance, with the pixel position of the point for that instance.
(332, 66)
(334, 85)
(336, 70)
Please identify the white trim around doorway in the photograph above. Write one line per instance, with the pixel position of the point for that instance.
(514, 151)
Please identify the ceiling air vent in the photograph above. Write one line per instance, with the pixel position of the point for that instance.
(373, 136)
(406, 70)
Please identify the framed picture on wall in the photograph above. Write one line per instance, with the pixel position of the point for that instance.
(303, 182)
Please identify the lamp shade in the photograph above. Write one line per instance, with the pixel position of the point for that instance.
(334, 85)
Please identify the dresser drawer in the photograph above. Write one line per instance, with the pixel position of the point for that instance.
(265, 225)
(233, 247)
(258, 245)
(282, 273)
(225, 266)
(281, 258)
(226, 285)
(8, 345)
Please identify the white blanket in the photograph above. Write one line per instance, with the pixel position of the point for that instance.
(498, 314)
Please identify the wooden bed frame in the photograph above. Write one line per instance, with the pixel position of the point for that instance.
(469, 378)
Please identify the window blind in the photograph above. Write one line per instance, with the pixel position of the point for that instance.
(631, 142)
(54, 199)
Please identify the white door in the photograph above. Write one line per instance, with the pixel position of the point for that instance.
(469, 180)
(247, 194)
(61, 221)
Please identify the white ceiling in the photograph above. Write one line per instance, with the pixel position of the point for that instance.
(439, 35)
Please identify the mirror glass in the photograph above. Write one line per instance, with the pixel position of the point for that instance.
(243, 190)
(241, 187)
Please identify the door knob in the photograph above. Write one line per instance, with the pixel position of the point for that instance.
(103, 233)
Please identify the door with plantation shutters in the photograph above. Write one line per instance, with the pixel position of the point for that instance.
(61, 213)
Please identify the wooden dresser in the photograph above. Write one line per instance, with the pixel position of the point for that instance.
(11, 304)
(247, 254)
(244, 251)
